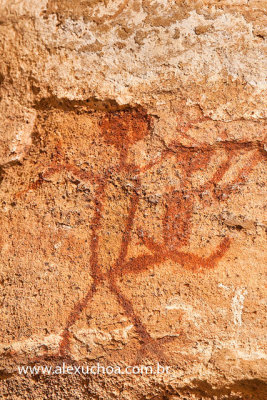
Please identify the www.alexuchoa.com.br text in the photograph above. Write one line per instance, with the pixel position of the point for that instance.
(98, 369)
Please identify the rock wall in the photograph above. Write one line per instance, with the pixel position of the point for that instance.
(133, 223)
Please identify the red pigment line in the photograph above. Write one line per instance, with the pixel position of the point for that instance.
(184, 129)
(223, 168)
(219, 173)
(193, 262)
(200, 161)
(64, 346)
(153, 346)
(186, 260)
(151, 244)
(177, 220)
(164, 154)
(241, 177)
(128, 308)
(139, 326)
(123, 157)
(186, 136)
(144, 262)
(190, 161)
(251, 163)
(53, 169)
(95, 272)
(127, 230)
(35, 185)
(83, 175)
(213, 260)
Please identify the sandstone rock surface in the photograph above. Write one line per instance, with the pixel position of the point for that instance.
(133, 198)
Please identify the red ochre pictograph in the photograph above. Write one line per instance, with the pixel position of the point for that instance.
(123, 129)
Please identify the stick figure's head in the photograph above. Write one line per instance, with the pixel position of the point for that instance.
(124, 128)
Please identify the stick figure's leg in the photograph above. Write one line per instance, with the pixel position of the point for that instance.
(95, 273)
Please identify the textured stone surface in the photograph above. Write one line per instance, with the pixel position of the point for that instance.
(133, 218)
